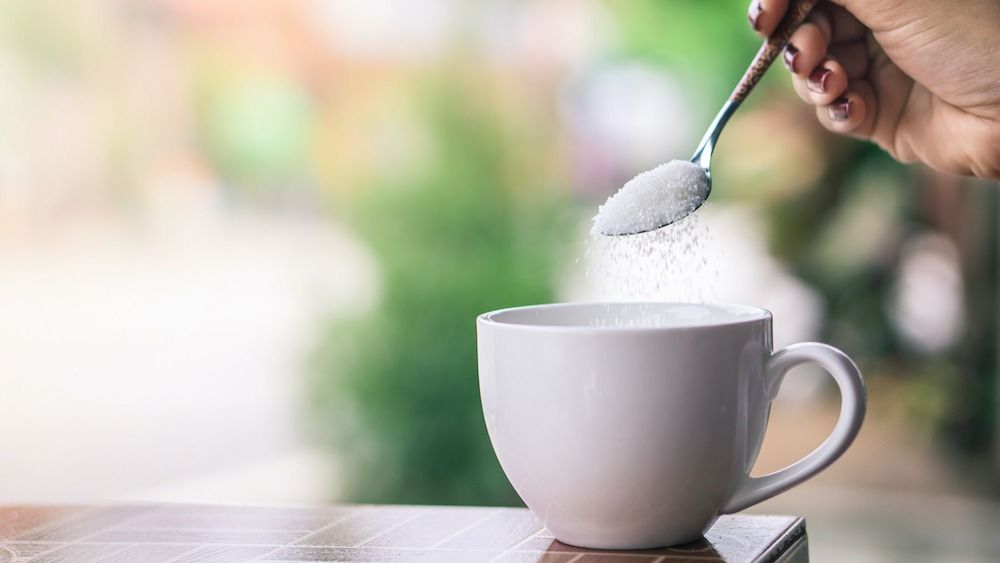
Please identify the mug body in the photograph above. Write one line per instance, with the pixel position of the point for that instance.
(627, 425)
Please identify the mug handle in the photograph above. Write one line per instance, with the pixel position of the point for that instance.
(853, 399)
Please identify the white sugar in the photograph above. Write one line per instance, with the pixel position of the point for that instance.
(677, 263)
(653, 199)
(670, 258)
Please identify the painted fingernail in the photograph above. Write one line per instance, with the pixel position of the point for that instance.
(818, 79)
(754, 16)
(840, 109)
(791, 52)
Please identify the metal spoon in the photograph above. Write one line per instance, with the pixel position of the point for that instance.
(769, 51)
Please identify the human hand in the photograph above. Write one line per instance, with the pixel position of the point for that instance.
(921, 78)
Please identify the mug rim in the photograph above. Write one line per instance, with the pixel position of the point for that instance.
(759, 314)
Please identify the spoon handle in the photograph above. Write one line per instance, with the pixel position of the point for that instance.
(794, 17)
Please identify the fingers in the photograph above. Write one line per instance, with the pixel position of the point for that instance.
(828, 28)
(829, 62)
(844, 98)
(844, 26)
(765, 15)
(853, 113)
(833, 69)
(827, 82)
(853, 56)
(806, 49)
(841, 25)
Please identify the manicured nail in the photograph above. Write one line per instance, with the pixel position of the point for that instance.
(818, 79)
(754, 16)
(791, 52)
(840, 109)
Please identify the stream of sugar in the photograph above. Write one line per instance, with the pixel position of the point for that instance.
(678, 263)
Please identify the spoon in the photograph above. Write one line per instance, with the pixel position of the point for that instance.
(769, 51)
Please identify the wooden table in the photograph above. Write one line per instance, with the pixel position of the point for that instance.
(195, 533)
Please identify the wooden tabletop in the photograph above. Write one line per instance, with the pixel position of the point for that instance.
(196, 533)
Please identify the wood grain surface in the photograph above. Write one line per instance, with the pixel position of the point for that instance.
(195, 533)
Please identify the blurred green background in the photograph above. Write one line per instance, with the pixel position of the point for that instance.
(429, 161)
(483, 227)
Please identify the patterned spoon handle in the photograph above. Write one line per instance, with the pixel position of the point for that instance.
(796, 14)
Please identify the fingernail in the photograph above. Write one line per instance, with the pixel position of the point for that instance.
(840, 109)
(791, 52)
(754, 16)
(818, 79)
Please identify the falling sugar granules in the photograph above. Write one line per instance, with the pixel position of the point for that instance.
(677, 263)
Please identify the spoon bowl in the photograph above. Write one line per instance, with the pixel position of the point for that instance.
(769, 51)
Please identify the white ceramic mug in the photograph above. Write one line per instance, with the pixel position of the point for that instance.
(635, 425)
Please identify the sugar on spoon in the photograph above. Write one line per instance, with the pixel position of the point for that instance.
(672, 191)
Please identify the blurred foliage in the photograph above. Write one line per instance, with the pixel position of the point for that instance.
(971, 421)
(398, 388)
(857, 200)
(709, 44)
(43, 33)
(461, 225)
(844, 236)
(256, 129)
(397, 391)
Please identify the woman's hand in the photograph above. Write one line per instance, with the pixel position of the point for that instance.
(919, 77)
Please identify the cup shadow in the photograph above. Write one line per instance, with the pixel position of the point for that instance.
(699, 550)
